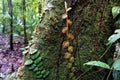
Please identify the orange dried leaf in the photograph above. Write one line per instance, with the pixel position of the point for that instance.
(64, 16)
(70, 36)
(72, 59)
(65, 5)
(67, 55)
(68, 9)
(65, 44)
(64, 30)
(69, 65)
(69, 22)
(70, 49)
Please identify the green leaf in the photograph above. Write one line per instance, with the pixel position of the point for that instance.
(115, 11)
(25, 52)
(27, 47)
(116, 74)
(46, 74)
(38, 60)
(33, 51)
(39, 76)
(32, 67)
(40, 64)
(43, 71)
(41, 68)
(36, 69)
(117, 23)
(34, 56)
(23, 49)
(38, 72)
(117, 65)
(98, 63)
(114, 37)
(28, 62)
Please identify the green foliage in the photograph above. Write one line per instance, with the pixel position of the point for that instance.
(32, 66)
(117, 64)
(33, 51)
(113, 38)
(115, 11)
(116, 74)
(38, 60)
(117, 23)
(25, 52)
(33, 61)
(32, 16)
(98, 63)
(28, 62)
(34, 56)
(4, 17)
(1, 6)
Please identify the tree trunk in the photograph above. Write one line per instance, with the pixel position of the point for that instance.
(3, 22)
(92, 25)
(24, 22)
(11, 23)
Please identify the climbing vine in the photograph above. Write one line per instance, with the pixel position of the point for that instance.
(33, 61)
(69, 56)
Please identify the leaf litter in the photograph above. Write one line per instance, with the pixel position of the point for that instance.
(10, 61)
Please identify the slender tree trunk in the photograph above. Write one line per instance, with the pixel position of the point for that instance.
(11, 23)
(24, 22)
(3, 4)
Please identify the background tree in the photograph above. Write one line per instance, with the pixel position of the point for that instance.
(11, 23)
(31, 13)
(3, 8)
(24, 21)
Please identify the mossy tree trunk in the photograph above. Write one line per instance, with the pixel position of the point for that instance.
(92, 25)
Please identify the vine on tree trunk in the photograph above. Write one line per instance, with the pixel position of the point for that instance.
(33, 61)
(69, 56)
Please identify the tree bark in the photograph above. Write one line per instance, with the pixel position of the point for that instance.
(92, 25)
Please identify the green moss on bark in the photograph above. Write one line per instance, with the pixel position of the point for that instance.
(92, 24)
(25, 74)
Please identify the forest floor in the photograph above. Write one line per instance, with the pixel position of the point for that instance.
(10, 61)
